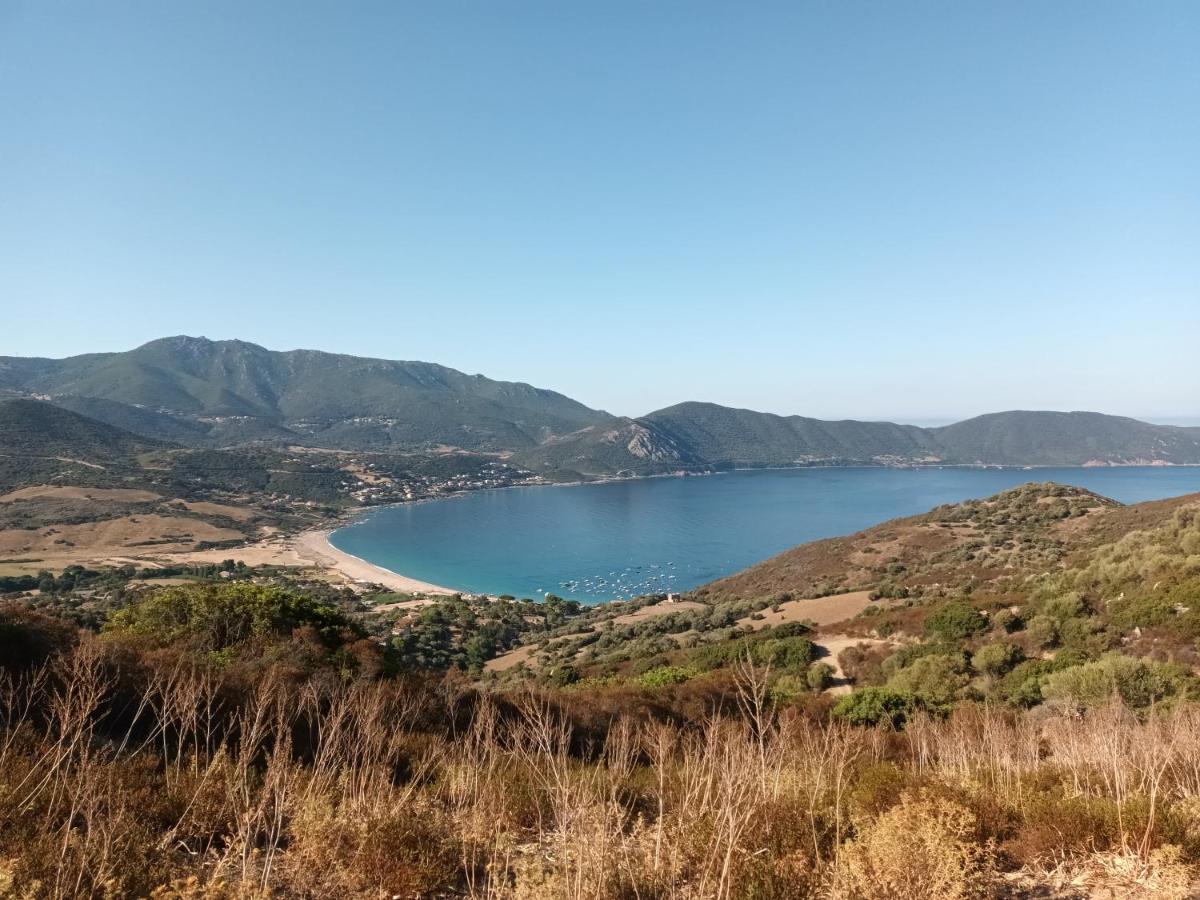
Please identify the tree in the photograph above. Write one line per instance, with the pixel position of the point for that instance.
(1137, 682)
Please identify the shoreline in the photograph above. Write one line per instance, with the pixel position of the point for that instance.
(317, 545)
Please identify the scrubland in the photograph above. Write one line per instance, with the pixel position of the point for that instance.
(131, 771)
(1025, 722)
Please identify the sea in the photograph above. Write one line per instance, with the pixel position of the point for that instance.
(621, 539)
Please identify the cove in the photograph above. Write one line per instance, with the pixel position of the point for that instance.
(598, 542)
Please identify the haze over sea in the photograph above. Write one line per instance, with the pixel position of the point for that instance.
(620, 539)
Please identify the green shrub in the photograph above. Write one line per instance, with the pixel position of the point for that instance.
(665, 676)
(1138, 683)
(790, 629)
(1042, 631)
(997, 658)
(218, 616)
(819, 676)
(955, 621)
(938, 680)
(786, 653)
(875, 706)
(1023, 685)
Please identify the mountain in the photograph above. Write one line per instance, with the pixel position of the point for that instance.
(234, 391)
(204, 393)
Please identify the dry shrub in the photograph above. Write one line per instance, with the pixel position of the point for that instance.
(186, 786)
(192, 888)
(925, 846)
(1055, 825)
(877, 788)
(1115, 875)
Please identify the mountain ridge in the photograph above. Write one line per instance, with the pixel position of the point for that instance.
(204, 393)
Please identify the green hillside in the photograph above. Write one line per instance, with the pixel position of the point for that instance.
(305, 396)
(222, 394)
(41, 430)
(1064, 438)
(742, 437)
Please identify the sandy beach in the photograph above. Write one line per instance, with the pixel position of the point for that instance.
(315, 546)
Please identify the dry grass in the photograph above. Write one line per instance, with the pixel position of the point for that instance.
(819, 611)
(124, 534)
(157, 777)
(64, 492)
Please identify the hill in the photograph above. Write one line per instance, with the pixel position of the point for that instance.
(705, 436)
(743, 438)
(234, 391)
(620, 447)
(1040, 580)
(1064, 439)
(1001, 538)
(29, 428)
(204, 393)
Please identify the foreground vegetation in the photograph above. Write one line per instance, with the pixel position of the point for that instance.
(241, 741)
(1024, 722)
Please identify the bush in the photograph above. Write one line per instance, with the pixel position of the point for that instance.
(955, 621)
(790, 629)
(788, 653)
(1138, 683)
(1043, 632)
(820, 676)
(875, 706)
(1023, 685)
(665, 676)
(218, 616)
(938, 680)
(924, 846)
(996, 659)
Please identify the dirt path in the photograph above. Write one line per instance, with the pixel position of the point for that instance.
(833, 644)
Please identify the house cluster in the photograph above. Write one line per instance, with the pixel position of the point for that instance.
(375, 485)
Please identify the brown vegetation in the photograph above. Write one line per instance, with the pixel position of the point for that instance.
(132, 771)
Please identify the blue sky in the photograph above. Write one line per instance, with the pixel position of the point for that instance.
(902, 210)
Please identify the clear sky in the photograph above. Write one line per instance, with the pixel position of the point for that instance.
(905, 210)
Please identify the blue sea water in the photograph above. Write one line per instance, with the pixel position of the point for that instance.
(620, 539)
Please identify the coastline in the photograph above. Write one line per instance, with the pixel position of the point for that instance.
(316, 545)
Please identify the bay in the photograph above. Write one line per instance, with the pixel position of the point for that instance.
(599, 542)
